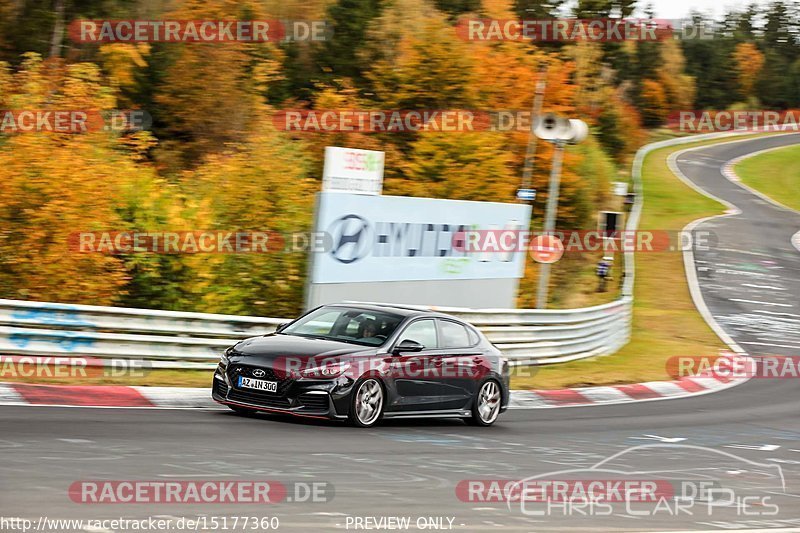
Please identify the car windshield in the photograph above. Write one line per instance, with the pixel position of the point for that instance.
(356, 326)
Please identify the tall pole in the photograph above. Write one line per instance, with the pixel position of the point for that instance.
(536, 110)
(550, 220)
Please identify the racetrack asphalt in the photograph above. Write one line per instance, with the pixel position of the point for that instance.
(745, 439)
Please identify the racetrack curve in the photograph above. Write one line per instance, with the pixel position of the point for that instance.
(412, 468)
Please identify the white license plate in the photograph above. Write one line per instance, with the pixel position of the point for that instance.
(258, 384)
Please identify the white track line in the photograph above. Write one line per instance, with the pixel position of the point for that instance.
(178, 396)
(8, 395)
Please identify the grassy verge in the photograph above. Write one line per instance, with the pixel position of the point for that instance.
(775, 173)
(665, 322)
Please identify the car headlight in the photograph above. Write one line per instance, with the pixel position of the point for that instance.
(223, 359)
(330, 370)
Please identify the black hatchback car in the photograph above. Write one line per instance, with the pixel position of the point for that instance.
(363, 363)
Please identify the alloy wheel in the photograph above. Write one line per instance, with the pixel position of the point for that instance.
(369, 402)
(489, 402)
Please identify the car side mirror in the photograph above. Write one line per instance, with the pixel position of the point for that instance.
(407, 346)
(281, 326)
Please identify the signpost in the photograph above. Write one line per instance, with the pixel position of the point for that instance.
(526, 195)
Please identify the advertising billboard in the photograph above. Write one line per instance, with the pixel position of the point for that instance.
(397, 238)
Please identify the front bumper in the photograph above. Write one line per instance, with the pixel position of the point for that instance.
(301, 397)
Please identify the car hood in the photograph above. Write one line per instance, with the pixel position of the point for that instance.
(270, 347)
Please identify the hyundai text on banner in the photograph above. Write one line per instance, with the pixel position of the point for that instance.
(396, 238)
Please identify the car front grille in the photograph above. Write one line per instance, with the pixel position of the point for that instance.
(314, 402)
(256, 398)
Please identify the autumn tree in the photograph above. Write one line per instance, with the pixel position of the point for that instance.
(56, 185)
(263, 184)
(337, 57)
(208, 97)
(459, 166)
(679, 87)
(749, 61)
(416, 59)
(654, 103)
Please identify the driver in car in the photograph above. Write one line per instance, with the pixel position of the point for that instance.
(369, 329)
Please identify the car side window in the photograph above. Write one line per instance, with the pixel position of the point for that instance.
(421, 331)
(474, 338)
(454, 335)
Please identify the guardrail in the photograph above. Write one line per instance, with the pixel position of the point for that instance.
(42, 328)
(545, 336)
(187, 340)
(195, 340)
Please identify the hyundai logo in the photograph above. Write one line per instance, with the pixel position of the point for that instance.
(351, 236)
(259, 373)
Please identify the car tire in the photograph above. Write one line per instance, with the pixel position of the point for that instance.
(486, 404)
(367, 402)
(244, 411)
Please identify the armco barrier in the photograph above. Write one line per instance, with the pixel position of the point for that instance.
(542, 336)
(195, 340)
(187, 340)
(41, 328)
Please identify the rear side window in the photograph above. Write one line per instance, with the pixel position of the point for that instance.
(454, 335)
(474, 338)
